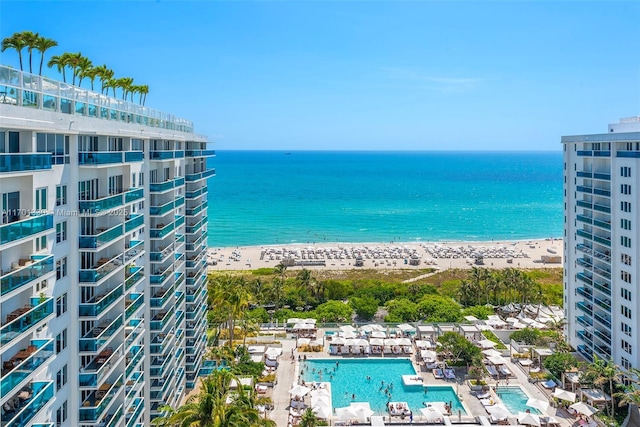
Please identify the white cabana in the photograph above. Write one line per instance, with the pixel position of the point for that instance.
(321, 411)
(529, 419)
(584, 408)
(497, 360)
(376, 341)
(274, 351)
(491, 353)
(378, 334)
(320, 393)
(564, 395)
(346, 414)
(422, 344)
(347, 328)
(362, 410)
(303, 341)
(403, 341)
(498, 412)
(320, 401)
(428, 355)
(405, 327)
(338, 341)
(390, 342)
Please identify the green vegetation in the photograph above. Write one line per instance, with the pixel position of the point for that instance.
(80, 66)
(492, 337)
(558, 363)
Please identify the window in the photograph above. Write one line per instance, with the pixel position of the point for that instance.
(626, 329)
(61, 195)
(140, 179)
(625, 259)
(626, 346)
(61, 341)
(56, 144)
(41, 243)
(61, 231)
(61, 268)
(625, 293)
(626, 311)
(625, 171)
(61, 305)
(625, 188)
(41, 199)
(625, 363)
(625, 206)
(625, 276)
(61, 378)
(625, 241)
(41, 286)
(61, 414)
(625, 224)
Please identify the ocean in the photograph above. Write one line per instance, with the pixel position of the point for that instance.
(275, 197)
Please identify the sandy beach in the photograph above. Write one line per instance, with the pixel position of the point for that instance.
(541, 253)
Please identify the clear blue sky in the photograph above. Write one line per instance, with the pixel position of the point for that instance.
(360, 75)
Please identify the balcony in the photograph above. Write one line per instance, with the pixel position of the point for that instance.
(102, 238)
(605, 304)
(133, 304)
(161, 231)
(96, 404)
(36, 268)
(97, 158)
(162, 210)
(92, 374)
(160, 298)
(604, 320)
(24, 363)
(133, 249)
(134, 356)
(603, 351)
(24, 162)
(133, 222)
(134, 384)
(105, 267)
(97, 337)
(133, 275)
(166, 154)
(585, 352)
(104, 204)
(191, 177)
(133, 156)
(200, 153)
(35, 397)
(101, 302)
(22, 319)
(30, 226)
(585, 293)
(161, 187)
(134, 411)
(603, 335)
(160, 320)
(584, 321)
(586, 308)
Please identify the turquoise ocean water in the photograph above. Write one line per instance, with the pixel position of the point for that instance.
(273, 197)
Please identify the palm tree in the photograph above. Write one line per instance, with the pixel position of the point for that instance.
(278, 285)
(308, 419)
(42, 45)
(60, 62)
(124, 83)
(91, 74)
(105, 74)
(30, 39)
(84, 67)
(231, 297)
(73, 62)
(604, 373)
(143, 90)
(17, 42)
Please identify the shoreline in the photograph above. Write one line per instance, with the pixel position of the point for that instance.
(527, 253)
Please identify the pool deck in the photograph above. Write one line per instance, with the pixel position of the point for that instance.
(287, 376)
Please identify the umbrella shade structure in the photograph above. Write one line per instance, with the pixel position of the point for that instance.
(431, 413)
(320, 401)
(376, 341)
(378, 334)
(404, 341)
(299, 391)
(338, 341)
(564, 395)
(345, 414)
(347, 328)
(491, 353)
(583, 408)
(321, 392)
(349, 334)
(405, 327)
(529, 419)
(362, 410)
(486, 344)
(497, 360)
(322, 412)
(303, 341)
(540, 405)
(390, 341)
(273, 352)
(498, 412)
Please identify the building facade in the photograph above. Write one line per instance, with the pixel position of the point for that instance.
(602, 241)
(102, 255)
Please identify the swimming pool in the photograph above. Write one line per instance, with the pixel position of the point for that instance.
(369, 380)
(515, 399)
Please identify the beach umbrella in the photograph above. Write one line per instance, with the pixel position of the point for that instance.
(321, 392)
(498, 412)
(362, 410)
(347, 328)
(361, 342)
(404, 341)
(338, 341)
(376, 341)
(299, 390)
(423, 344)
(349, 335)
(583, 408)
(431, 414)
(320, 401)
(273, 352)
(540, 405)
(564, 395)
(549, 420)
(345, 414)
(528, 419)
(390, 342)
(322, 412)
(491, 353)
(428, 354)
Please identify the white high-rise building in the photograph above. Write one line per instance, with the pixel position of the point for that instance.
(602, 241)
(103, 239)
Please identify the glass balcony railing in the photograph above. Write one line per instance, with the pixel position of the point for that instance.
(96, 404)
(602, 240)
(133, 383)
(94, 373)
(113, 419)
(134, 195)
(23, 319)
(161, 319)
(163, 209)
(136, 353)
(133, 156)
(134, 411)
(585, 352)
(193, 194)
(160, 298)
(28, 227)
(41, 351)
(133, 222)
(133, 304)
(604, 320)
(161, 232)
(179, 202)
(586, 337)
(161, 187)
(601, 208)
(100, 205)
(179, 220)
(584, 204)
(104, 237)
(193, 212)
(200, 153)
(133, 249)
(587, 308)
(41, 394)
(39, 266)
(100, 157)
(191, 177)
(102, 302)
(603, 335)
(584, 321)
(133, 276)
(179, 182)
(585, 219)
(162, 155)
(603, 287)
(95, 275)
(24, 162)
(603, 303)
(602, 224)
(100, 335)
(584, 292)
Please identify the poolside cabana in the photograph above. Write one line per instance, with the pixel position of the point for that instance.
(485, 344)
(541, 354)
(495, 321)
(427, 332)
(594, 397)
(470, 332)
(571, 379)
(406, 328)
(423, 344)
(445, 328)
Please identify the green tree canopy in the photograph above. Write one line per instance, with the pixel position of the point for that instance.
(365, 307)
(460, 348)
(527, 336)
(435, 308)
(334, 311)
(558, 363)
(401, 310)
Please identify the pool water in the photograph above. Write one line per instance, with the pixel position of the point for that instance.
(515, 399)
(349, 379)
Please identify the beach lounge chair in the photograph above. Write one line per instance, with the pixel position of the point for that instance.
(449, 374)
(505, 371)
(437, 373)
(483, 395)
(549, 384)
(492, 370)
